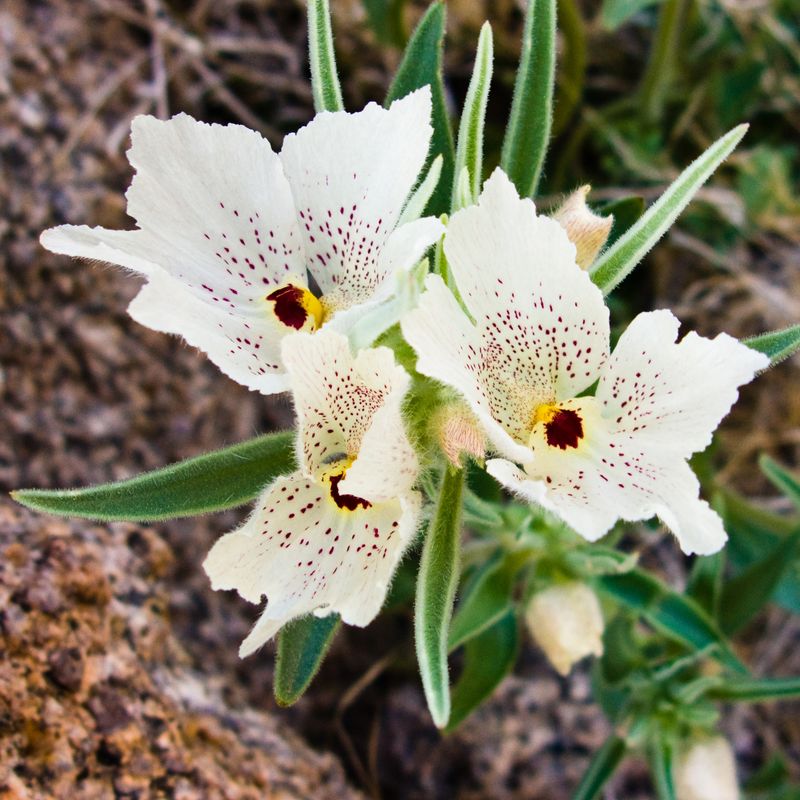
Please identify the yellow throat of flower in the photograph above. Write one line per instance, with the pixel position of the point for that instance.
(333, 475)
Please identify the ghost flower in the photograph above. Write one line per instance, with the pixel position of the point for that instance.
(229, 231)
(327, 538)
(535, 337)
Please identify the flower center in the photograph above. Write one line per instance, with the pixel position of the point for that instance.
(348, 502)
(563, 427)
(295, 305)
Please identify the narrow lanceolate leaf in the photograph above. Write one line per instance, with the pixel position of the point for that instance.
(415, 207)
(669, 612)
(619, 260)
(778, 345)
(746, 594)
(528, 132)
(436, 586)
(661, 768)
(469, 153)
(601, 768)
(486, 599)
(757, 691)
(302, 645)
(789, 484)
(422, 66)
(324, 78)
(488, 658)
(211, 482)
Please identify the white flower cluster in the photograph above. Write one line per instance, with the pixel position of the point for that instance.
(267, 261)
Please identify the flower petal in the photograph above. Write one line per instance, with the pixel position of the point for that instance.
(306, 555)
(386, 465)
(449, 349)
(133, 250)
(246, 352)
(612, 477)
(350, 176)
(215, 199)
(404, 249)
(673, 395)
(336, 395)
(214, 209)
(543, 323)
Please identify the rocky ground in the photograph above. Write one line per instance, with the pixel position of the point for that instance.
(119, 675)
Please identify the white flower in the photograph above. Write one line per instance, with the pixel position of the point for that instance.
(229, 230)
(706, 771)
(540, 338)
(567, 623)
(328, 537)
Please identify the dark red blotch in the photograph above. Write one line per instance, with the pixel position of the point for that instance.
(348, 501)
(564, 430)
(288, 306)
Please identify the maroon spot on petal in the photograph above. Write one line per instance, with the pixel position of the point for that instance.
(288, 306)
(564, 430)
(348, 501)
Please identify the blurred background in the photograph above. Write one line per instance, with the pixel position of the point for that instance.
(119, 674)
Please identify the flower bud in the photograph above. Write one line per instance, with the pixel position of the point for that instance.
(459, 433)
(586, 230)
(706, 770)
(566, 622)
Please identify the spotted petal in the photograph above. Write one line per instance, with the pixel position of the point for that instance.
(540, 331)
(214, 211)
(673, 395)
(350, 175)
(307, 555)
(244, 351)
(607, 480)
(338, 396)
(449, 349)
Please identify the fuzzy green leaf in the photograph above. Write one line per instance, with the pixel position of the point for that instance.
(488, 658)
(212, 482)
(778, 345)
(422, 66)
(469, 153)
(420, 197)
(528, 131)
(486, 599)
(302, 645)
(757, 691)
(324, 78)
(436, 587)
(601, 768)
(669, 612)
(746, 594)
(621, 258)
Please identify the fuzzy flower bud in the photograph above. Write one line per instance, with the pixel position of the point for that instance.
(566, 622)
(459, 434)
(706, 771)
(586, 230)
